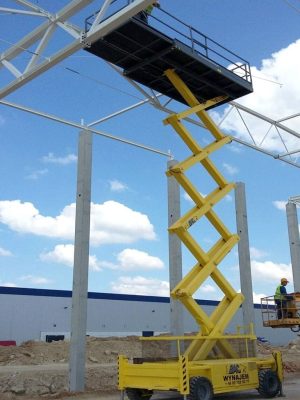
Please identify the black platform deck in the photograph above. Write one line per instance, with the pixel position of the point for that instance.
(144, 54)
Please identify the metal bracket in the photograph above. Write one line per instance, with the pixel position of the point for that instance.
(83, 40)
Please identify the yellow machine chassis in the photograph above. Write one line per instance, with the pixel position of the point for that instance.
(227, 375)
(226, 372)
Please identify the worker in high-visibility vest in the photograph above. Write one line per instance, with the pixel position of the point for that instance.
(281, 298)
(143, 15)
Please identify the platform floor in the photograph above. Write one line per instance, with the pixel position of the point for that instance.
(144, 54)
(282, 323)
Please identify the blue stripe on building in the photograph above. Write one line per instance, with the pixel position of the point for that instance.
(94, 295)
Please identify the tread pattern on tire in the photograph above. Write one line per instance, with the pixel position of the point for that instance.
(269, 384)
(195, 383)
(138, 394)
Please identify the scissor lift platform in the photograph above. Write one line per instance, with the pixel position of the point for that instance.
(145, 53)
(290, 312)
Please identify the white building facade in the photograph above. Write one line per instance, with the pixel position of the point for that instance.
(32, 314)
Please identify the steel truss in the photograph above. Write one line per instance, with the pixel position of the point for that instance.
(282, 132)
(39, 63)
(294, 200)
(42, 35)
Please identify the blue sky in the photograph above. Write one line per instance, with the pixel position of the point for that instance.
(129, 240)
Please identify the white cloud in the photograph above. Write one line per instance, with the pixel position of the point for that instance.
(234, 147)
(280, 204)
(117, 186)
(230, 169)
(36, 280)
(187, 197)
(257, 297)
(64, 254)
(111, 222)
(128, 259)
(273, 100)
(4, 252)
(8, 284)
(131, 259)
(256, 253)
(140, 286)
(37, 174)
(52, 159)
(270, 272)
(25, 218)
(207, 288)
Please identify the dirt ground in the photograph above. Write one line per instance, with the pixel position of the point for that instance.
(40, 370)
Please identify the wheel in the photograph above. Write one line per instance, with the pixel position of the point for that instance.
(295, 328)
(269, 383)
(138, 394)
(200, 389)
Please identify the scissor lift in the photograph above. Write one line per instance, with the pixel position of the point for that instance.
(209, 362)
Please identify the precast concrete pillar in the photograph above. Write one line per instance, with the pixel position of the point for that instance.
(175, 254)
(244, 254)
(293, 229)
(81, 264)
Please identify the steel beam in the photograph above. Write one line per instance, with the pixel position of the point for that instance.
(21, 12)
(294, 199)
(264, 118)
(153, 100)
(72, 8)
(101, 14)
(86, 127)
(110, 24)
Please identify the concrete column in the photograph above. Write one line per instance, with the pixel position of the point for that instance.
(175, 254)
(293, 229)
(244, 254)
(81, 264)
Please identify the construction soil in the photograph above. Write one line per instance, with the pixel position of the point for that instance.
(40, 370)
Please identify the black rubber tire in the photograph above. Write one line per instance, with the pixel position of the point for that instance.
(269, 383)
(200, 389)
(138, 394)
(295, 328)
